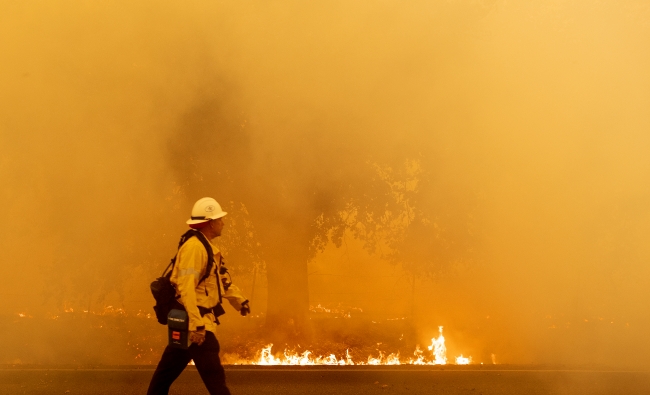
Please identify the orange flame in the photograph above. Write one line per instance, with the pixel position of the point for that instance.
(291, 357)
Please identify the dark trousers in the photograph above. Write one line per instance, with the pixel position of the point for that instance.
(206, 358)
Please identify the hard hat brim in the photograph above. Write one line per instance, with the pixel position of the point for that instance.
(200, 221)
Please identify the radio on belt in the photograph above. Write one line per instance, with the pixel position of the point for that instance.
(178, 324)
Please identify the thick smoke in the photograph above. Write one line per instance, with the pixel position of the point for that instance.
(526, 124)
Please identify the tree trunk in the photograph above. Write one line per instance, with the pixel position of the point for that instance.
(288, 297)
(285, 240)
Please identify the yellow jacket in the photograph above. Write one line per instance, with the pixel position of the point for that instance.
(191, 263)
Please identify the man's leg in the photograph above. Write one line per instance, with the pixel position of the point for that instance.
(171, 365)
(206, 358)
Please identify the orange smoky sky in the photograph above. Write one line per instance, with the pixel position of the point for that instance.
(529, 123)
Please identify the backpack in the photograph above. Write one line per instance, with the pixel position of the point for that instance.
(163, 290)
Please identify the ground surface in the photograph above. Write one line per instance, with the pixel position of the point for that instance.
(449, 380)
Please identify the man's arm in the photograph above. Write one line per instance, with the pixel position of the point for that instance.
(237, 299)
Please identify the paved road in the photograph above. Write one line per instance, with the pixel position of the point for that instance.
(335, 380)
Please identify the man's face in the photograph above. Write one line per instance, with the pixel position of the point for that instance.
(217, 226)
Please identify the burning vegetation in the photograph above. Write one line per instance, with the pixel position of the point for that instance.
(481, 165)
(139, 340)
(438, 356)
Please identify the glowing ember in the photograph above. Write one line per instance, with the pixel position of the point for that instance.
(344, 312)
(438, 356)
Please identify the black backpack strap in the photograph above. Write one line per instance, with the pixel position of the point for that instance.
(208, 269)
(171, 264)
(208, 248)
(185, 237)
(219, 283)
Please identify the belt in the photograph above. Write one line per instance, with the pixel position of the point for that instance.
(216, 310)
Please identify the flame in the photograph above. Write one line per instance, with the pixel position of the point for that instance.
(393, 359)
(348, 358)
(266, 358)
(439, 349)
(438, 356)
(419, 358)
(376, 361)
(463, 361)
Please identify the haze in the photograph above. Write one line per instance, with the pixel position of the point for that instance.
(527, 124)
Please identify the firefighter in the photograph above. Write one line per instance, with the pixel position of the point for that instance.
(201, 300)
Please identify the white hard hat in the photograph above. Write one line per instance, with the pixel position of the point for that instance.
(204, 210)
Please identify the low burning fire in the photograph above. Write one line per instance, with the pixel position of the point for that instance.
(437, 356)
(439, 350)
(463, 361)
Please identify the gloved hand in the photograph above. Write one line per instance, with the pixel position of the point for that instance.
(245, 309)
(197, 337)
